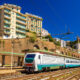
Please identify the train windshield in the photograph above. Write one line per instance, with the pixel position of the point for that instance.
(29, 58)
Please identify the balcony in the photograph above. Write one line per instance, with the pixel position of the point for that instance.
(20, 34)
(5, 27)
(7, 22)
(7, 12)
(21, 15)
(18, 21)
(21, 18)
(20, 31)
(7, 32)
(7, 17)
(20, 27)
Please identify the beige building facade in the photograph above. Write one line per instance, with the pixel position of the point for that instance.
(14, 24)
(34, 23)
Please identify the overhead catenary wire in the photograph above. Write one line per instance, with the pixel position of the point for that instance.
(47, 16)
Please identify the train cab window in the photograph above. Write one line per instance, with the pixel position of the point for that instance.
(39, 57)
(30, 56)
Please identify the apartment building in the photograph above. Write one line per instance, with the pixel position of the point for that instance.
(14, 24)
(62, 42)
(34, 23)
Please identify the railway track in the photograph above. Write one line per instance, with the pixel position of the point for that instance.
(65, 74)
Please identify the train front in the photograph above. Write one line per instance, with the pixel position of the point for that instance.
(29, 62)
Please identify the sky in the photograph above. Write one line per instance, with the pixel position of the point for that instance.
(58, 15)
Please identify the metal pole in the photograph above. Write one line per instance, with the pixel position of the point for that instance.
(12, 50)
(12, 53)
(78, 44)
(12, 59)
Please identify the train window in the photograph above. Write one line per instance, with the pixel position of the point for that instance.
(72, 61)
(67, 61)
(30, 56)
(39, 56)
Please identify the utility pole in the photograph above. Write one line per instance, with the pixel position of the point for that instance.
(12, 45)
(12, 52)
(78, 44)
(12, 42)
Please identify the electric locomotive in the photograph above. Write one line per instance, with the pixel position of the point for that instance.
(40, 61)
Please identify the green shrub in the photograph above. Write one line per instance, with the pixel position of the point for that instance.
(57, 42)
(27, 30)
(34, 32)
(32, 39)
(72, 44)
(50, 38)
(27, 36)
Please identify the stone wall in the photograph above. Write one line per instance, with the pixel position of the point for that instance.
(19, 45)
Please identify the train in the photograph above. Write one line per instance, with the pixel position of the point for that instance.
(42, 61)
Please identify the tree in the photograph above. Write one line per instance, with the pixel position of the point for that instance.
(49, 37)
(52, 40)
(32, 39)
(57, 42)
(72, 44)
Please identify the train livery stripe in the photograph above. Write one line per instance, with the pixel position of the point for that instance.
(51, 66)
(72, 65)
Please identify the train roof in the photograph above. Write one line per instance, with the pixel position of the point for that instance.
(51, 53)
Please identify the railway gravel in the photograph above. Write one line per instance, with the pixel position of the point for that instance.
(65, 74)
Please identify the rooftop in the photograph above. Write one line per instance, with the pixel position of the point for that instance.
(29, 14)
(12, 6)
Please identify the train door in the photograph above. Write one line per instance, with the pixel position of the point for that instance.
(39, 57)
(39, 63)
